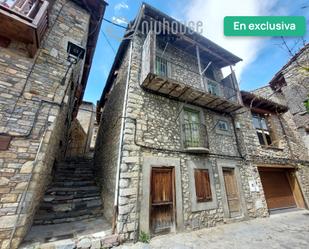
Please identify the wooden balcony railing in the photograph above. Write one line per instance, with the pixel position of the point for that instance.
(165, 76)
(25, 21)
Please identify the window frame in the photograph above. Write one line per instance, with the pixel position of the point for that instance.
(162, 62)
(197, 206)
(199, 137)
(219, 131)
(226, 124)
(267, 132)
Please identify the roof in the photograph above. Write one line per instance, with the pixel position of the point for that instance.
(213, 51)
(257, 102)
(278, 79)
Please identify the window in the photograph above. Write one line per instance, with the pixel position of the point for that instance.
(161, 66)
(262, 129)
(191, 128)
(222, 125)
(213, 88)
(202, 185)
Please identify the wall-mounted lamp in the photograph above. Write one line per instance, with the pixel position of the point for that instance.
(75, 53)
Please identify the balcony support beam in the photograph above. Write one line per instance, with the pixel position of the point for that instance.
(236, 86)
(205, 69)
(200, 68)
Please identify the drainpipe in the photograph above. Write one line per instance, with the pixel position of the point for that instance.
(123, 118)
(121, 140)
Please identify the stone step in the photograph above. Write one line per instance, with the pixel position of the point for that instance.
(72, 174)
(83, 162)
(69, 198)
(82, 183)
(71, 205)
(64, 217)
(75, 167)
(71, 235)
(72, 190)
(74, 178)
(77, 171)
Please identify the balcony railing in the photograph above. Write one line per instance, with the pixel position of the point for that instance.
(195, 137)
(174, 71)
(185, 82)
(25, 21)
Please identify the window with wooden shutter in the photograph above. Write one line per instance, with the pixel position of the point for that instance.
(202, 185)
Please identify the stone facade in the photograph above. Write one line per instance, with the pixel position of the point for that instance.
(81, 132)
(152, 128)
(153, 137)
(36, 111)
(291, 86)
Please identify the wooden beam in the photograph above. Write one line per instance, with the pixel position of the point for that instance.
(184, 91)
(199, 65)
(163, 84)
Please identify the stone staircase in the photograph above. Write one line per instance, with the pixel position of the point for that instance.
(70, 214)
(72, 196)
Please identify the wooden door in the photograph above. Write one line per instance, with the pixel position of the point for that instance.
(162, 200)
(232, 193)
(277, 189)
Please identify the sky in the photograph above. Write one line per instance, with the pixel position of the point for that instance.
(262, 56)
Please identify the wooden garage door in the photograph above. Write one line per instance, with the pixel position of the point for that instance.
(277, 189)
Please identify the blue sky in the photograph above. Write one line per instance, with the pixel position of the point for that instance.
(262, 56)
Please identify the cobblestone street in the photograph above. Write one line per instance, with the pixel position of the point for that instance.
(286, 230)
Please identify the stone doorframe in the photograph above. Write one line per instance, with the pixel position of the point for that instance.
(158, 162)
(224, 163)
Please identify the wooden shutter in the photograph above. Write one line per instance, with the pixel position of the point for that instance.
(162, 186)
(202, 185)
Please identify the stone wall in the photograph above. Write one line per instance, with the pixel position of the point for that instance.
(36, 111)
(294, 93)
(153, 128)
(107, 143)
(80, 133)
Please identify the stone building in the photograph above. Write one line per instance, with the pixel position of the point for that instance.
(275, 148)
(290, 85)
(177, 148)
(81, 131)
(45, 57)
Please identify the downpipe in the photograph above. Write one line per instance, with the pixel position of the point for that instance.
(115, 211)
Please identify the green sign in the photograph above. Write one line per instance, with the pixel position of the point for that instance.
(264, 25)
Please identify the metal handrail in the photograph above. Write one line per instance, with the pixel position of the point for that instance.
(195, 135)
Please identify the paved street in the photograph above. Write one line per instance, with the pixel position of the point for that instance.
(286, 230)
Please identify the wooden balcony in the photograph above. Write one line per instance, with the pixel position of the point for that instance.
(25, 21)
(162, 76)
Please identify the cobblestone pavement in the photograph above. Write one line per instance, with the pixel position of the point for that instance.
(285, 230)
